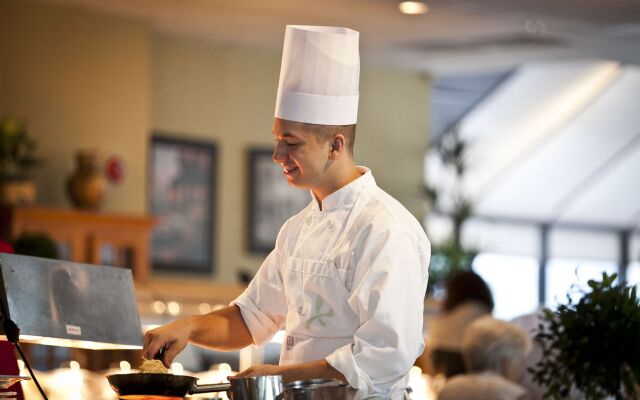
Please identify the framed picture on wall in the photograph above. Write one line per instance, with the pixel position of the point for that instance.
(182, 195)
(271, 200)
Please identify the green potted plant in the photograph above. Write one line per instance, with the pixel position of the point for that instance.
(36, 244)
(591, 349)
(17, 159)
(450, 255)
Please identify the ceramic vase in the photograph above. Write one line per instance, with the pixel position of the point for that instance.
(87, 185)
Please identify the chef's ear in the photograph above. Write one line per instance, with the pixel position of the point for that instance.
(337, 145)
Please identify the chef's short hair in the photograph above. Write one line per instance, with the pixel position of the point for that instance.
(326, 132)
(487, 341)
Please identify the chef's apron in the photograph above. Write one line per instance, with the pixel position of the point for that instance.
(319, 319)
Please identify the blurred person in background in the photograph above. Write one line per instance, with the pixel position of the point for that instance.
(495, 355)
(529, 323)
(467, 298)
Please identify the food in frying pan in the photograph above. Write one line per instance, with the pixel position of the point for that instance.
(153, 367)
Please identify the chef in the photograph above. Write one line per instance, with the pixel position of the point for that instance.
(347, 277)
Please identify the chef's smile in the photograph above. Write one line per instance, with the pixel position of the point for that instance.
(290, 153)
(288, 171)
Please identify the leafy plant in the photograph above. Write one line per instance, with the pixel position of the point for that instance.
(17, 149)
(592, 346)
(37, 244)
(451, 255)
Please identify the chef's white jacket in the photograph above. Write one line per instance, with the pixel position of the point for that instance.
(346, 284)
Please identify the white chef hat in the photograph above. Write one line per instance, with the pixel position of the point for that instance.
(319, 75)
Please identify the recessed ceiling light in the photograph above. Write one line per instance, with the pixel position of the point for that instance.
(413, 7)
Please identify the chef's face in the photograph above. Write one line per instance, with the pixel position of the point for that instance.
(302, 152)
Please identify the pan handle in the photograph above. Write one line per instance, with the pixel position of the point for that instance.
(214, 387)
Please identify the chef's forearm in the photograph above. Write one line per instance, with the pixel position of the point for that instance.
(320, 369)
(223, 329)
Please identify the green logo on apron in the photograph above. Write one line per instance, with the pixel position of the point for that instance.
(319, 315)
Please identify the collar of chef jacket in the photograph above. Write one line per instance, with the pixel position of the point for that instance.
(346, 195)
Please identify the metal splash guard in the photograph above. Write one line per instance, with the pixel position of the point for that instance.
(70, 304)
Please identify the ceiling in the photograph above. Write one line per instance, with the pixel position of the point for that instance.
(455, 35)
(555, 144)
(566, 152)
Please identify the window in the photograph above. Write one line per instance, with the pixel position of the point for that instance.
(513, 282)
(633, 274)
(570, 276)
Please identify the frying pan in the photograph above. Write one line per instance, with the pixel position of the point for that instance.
(160, 386)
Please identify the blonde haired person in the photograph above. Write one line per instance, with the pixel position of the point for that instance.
(495, 353)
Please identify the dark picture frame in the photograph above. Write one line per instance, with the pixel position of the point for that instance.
(182, 196)
(271, 200)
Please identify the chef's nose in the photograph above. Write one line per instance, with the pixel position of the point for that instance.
(279, 152)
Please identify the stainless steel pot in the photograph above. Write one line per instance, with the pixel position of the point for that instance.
(317, 389)
(256, 387)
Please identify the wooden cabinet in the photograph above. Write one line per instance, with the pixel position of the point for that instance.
(89, 237)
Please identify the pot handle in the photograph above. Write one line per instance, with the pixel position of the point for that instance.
(214, 387)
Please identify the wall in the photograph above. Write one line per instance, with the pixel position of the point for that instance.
(225, 95)
(88, 79)
(82, 80)
(392, 134)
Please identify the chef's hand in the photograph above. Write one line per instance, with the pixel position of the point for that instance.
(261, 370)
(319, 369)
(223, 330)
(173, 338)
